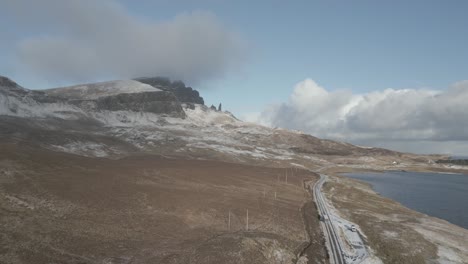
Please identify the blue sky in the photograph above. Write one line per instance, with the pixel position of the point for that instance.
(378, 73)
(358, 45)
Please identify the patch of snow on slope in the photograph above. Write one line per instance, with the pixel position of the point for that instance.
(128, 119)
(89, 149)
(226, 149)
(203, 116)
(27, 107)
(372, 259)
(449, 239)
(249, 128)
(96, 90)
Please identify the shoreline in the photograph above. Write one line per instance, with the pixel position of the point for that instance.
(434, 172)
(394, 230)
(393, 199)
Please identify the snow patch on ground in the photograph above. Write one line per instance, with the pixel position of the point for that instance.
(448, 256)
(298, 165)
(372, 259)
(450, 240)
(19, 202)
(390, 234)
(27, 107)
(84, 149)
(96, 90)
(128, 119)
(366, 159)
(202, 116)
(229, 150)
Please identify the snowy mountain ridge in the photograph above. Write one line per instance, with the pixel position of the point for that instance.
(118, 118)
(96, 90)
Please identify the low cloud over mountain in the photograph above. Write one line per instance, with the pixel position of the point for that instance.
(83, 40)
(390, 118)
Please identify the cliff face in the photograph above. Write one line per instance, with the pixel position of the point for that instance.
(183, 93)
(6, 82)
(126, 95)
(9, 88)
(152, 102)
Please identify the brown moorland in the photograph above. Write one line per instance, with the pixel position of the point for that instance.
(64, 208)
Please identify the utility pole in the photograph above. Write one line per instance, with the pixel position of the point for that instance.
(286, 175)
(275, 195)
(229, 221)
(247, 226)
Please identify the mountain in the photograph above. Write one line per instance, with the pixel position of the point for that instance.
(141, 171)
(184, 94)
(120, 95)
(153, 119)
(96, 90)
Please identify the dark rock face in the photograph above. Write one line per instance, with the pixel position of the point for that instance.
(165, 102)
(6, 82)
(153, 102)
(9, 87)
(182, 93)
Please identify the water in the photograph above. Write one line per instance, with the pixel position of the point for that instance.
(458, 157)
(441, 195)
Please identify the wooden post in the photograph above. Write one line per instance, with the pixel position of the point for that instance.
(229, 221)
(247, 225)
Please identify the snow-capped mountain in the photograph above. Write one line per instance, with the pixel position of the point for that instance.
(96, 90)
(119, 118)
(124, 162)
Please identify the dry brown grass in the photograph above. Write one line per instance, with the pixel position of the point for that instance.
(61, 208)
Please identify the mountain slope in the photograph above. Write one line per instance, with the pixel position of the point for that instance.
(184, 94)
(97, 90)
(156, 179)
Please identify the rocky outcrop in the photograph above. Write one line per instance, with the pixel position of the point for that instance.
(153, 102)
(163, 103)
(153, 95)
(7, 86)
(183, 93)
(6, 82)
(11, 88)
(123, 95)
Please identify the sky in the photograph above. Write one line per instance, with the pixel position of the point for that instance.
(373, 73)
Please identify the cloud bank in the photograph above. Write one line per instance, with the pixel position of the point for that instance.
(416, 120)
(83, 40)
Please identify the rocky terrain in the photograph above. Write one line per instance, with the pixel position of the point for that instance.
(140, 171)
(184, 94)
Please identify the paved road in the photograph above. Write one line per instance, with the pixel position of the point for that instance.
(333, 226)
(336, 251)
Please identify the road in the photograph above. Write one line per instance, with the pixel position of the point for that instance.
(336, 229)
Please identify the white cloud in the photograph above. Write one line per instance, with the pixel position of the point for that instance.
(85, 40)
(384, 118)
